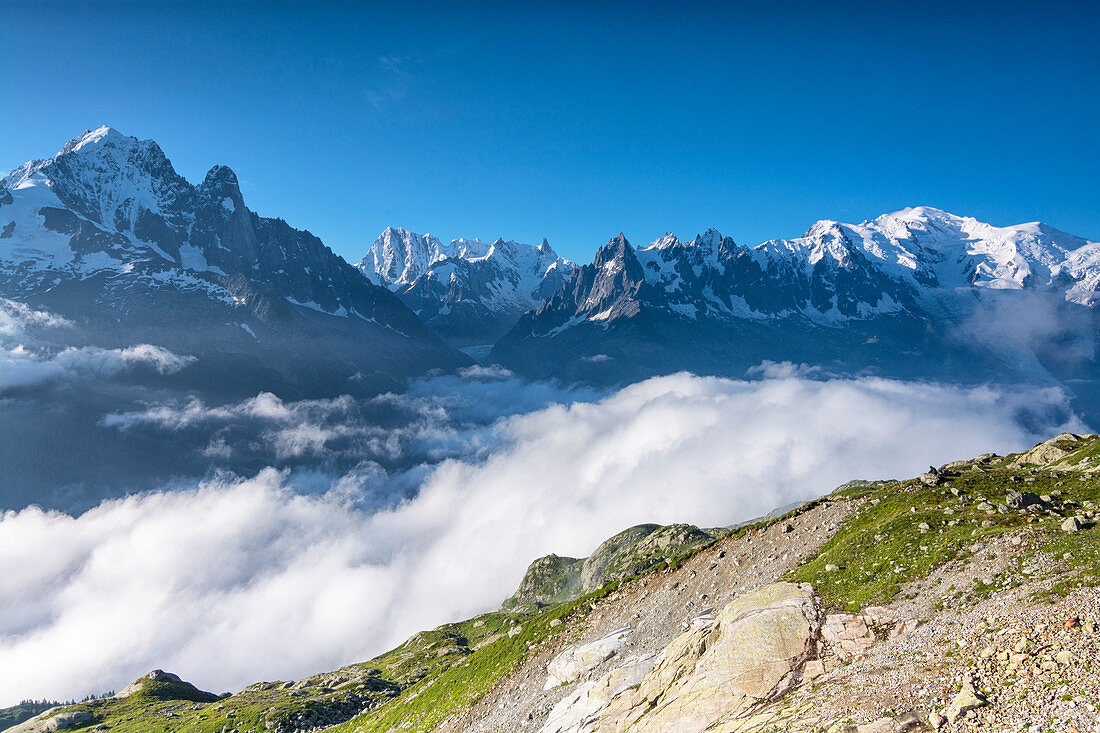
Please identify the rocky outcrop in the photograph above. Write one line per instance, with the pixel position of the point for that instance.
(753, 652)
(165, 686)
(52, 720)
(1053, 451)
(549, 579)
(848, 634)
(579, 711)
(553, 579)
(579, 659)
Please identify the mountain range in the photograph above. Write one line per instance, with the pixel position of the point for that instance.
(919, 292)
(469, 292)
(107, 234)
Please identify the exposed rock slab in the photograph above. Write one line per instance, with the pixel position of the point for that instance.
(51, 721)
(848, 634)
(580, 659)
(579, 711)
(753, 652)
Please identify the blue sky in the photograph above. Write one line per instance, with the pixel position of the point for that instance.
(576, 122)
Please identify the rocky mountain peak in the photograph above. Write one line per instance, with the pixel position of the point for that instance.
(618, 248)
(220, 184)
(110, 212)
(468, 291)
(666, 241)
(221, 176)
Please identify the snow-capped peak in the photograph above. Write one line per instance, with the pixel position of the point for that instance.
(502, 278)
(92, 138)
(668, 239)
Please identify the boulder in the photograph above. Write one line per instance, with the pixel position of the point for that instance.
(848, 634)
(578, 712)
(753, 652)
(577, 660)
(1072, 524)
(1022, 499)
(966, 700)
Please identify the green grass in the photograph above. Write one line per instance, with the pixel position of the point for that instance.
(431, 701)
(25, 710)
(879, 548)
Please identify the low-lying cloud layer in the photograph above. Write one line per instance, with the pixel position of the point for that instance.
(23, 367)
(237, 580)
(24, 363)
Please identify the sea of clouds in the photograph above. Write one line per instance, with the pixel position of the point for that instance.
(355, 531)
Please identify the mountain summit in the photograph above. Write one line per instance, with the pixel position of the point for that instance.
(108, 234)
(469, 292)
(919, 292)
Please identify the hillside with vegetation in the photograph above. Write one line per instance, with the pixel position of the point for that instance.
(965, 597)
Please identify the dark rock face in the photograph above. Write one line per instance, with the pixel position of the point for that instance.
(107, 234)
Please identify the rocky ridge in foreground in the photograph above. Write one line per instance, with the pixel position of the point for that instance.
(963, 599)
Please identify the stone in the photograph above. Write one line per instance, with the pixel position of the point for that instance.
(882, 725)
(966, 700)
(754, 651)
(848, 634)
(1022, 499)
(879, 615)
(813, 669)
(554, 623)
(1072, 524)
(578, 712)
(904, 627)
(831, 568)
(579, 659)
(936, 720)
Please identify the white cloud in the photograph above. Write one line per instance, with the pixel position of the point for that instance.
(491, 372)
(240, 580)
(17, 318)
(783, 370)
(23, 367)
(26, 362)
(437, 418)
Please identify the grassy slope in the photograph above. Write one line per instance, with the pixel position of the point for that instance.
(16, 714)
(876, 550)
(881, 547)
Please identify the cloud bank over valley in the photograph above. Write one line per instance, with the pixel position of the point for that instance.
(368, 520)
